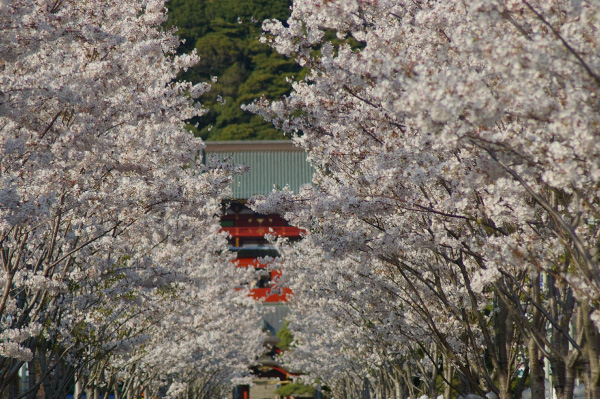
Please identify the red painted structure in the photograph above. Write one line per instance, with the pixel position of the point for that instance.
(284, 231)
(247, 230)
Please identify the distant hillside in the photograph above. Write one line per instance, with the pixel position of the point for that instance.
(225, 33)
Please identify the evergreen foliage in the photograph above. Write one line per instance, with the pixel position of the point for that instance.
(225, 34)
(296, 389)
(286, 337)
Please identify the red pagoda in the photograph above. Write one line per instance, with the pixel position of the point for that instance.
(273, 164)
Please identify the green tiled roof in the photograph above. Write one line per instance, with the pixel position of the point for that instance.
(272, 164)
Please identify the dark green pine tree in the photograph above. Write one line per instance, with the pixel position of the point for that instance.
(225, 34)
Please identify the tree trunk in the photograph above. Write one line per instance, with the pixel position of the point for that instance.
(434, 373)
(32, 371)
(591, 352)
(561, 308)
(503, 338)
(536, 371)
(79, 385)
(398, 390)
(448, 376)
(13, 388)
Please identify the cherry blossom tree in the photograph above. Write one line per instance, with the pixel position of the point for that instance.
(457, 157)
(109, 238)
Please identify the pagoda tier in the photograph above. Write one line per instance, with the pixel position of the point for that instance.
(246, 231)
(260, 231)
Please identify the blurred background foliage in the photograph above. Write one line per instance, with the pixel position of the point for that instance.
(225, 34)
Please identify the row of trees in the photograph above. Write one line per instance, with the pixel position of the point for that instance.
(114, 275)
(452, 233)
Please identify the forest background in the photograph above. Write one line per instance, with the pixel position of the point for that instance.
(225, 35)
